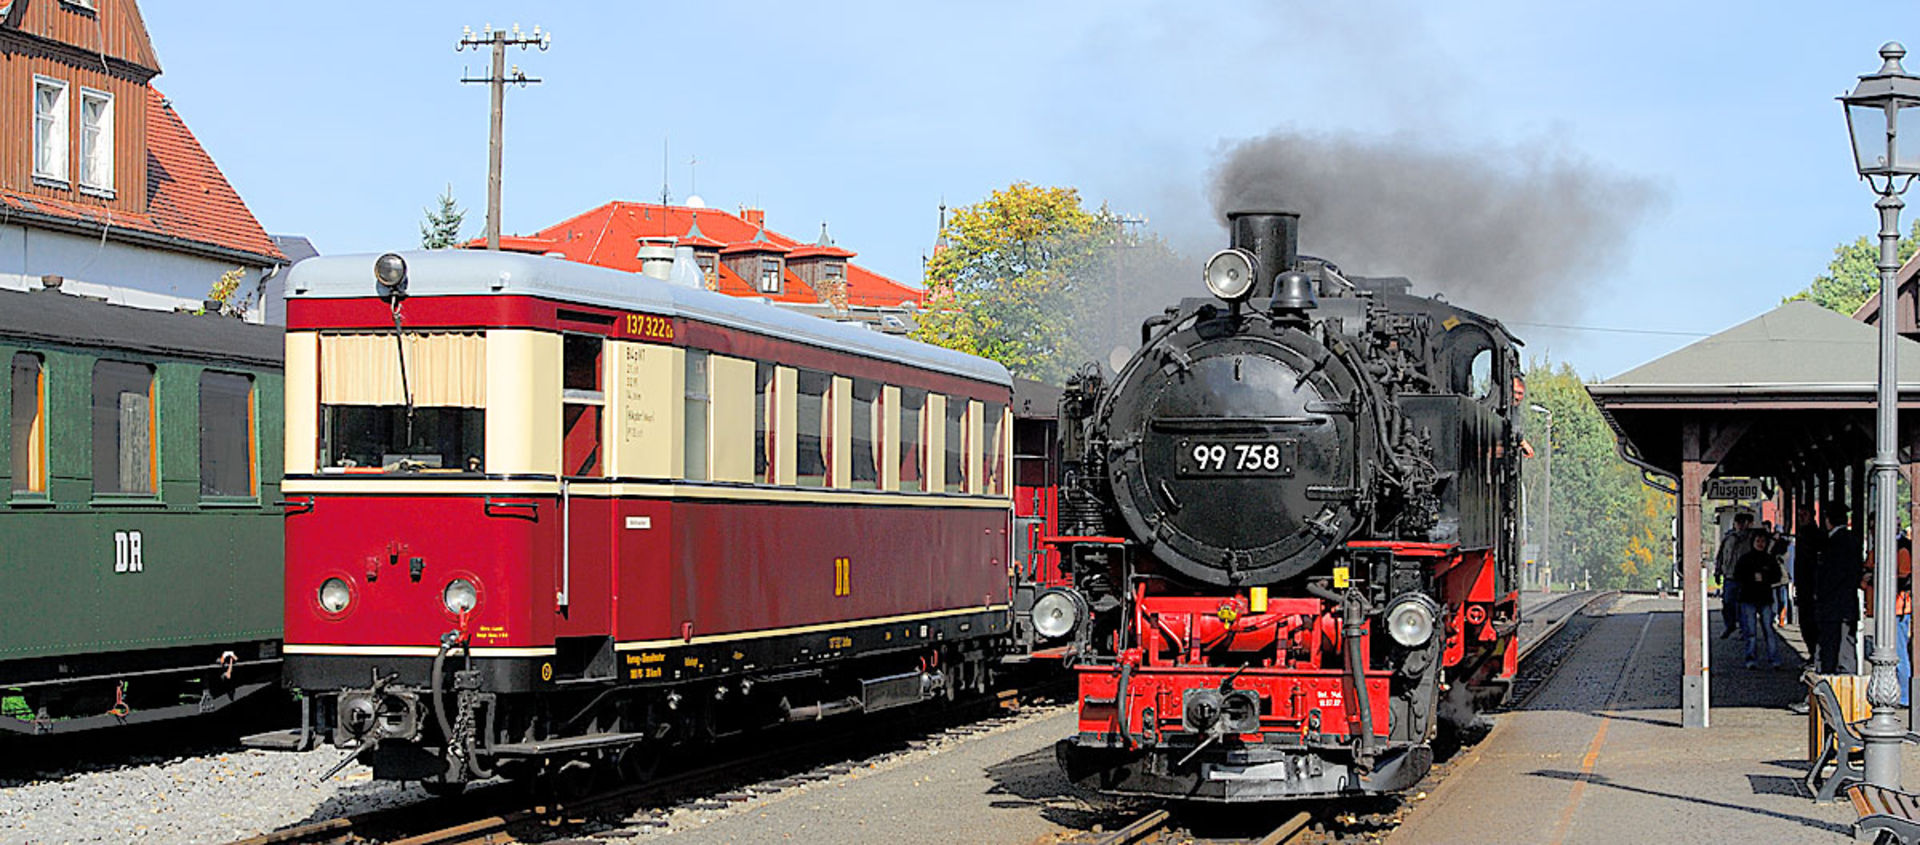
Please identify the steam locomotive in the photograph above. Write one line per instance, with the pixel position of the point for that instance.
(1291, 519)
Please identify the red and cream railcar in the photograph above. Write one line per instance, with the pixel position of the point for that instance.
(542, 513)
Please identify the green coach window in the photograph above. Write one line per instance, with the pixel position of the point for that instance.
(227, 432)
(125, 459)
(29, 423)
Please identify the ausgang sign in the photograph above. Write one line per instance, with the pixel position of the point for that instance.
(1737, 489)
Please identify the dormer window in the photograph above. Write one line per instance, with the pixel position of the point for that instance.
(708, 266)
(836, 271)
(769, 275)
(49, 128)
(96, 141)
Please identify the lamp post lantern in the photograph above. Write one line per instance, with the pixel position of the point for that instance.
(1873, 112)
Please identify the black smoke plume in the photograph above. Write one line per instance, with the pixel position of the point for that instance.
(1513, 234)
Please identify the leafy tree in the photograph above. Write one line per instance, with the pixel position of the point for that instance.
(1021, 267)
(441, 227)
(1606, 525)
(1852, 277)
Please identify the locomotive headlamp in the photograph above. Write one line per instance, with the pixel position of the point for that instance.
(390, 271)
(1056, 613)
(334, 595)
(1230, 274)
(460, 596)
(1410, 619)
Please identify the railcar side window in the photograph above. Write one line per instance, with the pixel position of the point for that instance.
(956, 480)
(699, 419)
(227, 433)
(814, 423)
(913, 437)
(367, 423)
(993, 437)
(29, 423)
(763, 396)
(581, 404)
(125, 459)
(866, 445)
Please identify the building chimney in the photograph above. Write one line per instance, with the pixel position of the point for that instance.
(1273, 237)
(756, 217)
(656, 257)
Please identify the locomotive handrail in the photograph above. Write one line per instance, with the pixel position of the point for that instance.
(1215, 424)
(304, 506)
(1108, 541)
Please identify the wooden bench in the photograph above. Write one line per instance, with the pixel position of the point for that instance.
(1839, 741)
(1886, 815)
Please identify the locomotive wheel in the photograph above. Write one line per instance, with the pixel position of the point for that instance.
(572, 778)
(638, 763)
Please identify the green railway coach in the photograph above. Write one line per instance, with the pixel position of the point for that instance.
(140, 530)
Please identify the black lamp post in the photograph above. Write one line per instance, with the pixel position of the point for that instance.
(1873, 119)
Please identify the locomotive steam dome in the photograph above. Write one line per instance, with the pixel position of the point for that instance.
(1236, 454)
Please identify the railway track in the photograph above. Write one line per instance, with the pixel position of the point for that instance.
(475, 817)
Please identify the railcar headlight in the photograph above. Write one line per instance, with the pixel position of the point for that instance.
(390, 270)
(1055, 614)
(460, 596)
(1230, 274)
(335, 595)
(1410, 620)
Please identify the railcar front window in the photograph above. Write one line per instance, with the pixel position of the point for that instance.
(913, 438)
(956, 476)
(226, 435)
(373, 422)
(814, 430)
(866, 444)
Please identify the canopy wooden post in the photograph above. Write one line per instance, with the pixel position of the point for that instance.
(1693, 581)
(1913, 530)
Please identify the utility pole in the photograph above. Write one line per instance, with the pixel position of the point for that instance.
(499, 40)
(1546, 515)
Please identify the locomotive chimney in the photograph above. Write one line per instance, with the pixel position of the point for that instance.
(1273, 237)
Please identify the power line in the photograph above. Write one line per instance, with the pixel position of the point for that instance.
(1612, 329)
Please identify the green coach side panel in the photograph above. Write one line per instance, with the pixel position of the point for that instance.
(90, 572)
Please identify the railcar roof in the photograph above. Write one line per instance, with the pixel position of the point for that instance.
(461, 272)
(49, 317)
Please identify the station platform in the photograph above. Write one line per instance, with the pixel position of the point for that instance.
(1598, 754)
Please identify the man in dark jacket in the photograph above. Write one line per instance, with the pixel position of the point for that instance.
(1836, 599)
(1808, 540)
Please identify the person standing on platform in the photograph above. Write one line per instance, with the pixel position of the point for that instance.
(1733, 544)
(1836, 599)
(1754, 575)
(1808, 541)
(1782, 594)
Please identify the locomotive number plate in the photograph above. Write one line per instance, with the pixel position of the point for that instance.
(1236, 458)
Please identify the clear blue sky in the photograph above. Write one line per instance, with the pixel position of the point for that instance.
(341, 121)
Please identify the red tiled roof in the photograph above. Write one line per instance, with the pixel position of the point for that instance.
(188, 199)
(755, 246)
(608, 236)
(816, 250)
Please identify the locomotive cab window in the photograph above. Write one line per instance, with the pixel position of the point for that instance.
(374, 422)
(813, 435)
(1480, 375)
(227, 436)
(29, 440)
(126, 459)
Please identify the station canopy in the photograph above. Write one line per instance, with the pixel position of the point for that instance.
(1786, 394)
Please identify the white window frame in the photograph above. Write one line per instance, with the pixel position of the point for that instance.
(57, 136)
(102, 161)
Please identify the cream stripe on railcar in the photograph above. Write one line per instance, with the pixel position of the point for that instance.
(302, 404)
(975, 447)
(730, 443)
(933, 425)
(523, 418)
(890, 438)
(786, 428)
(840, 396)
(403, 486)
(646, 436)
(480, 273)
